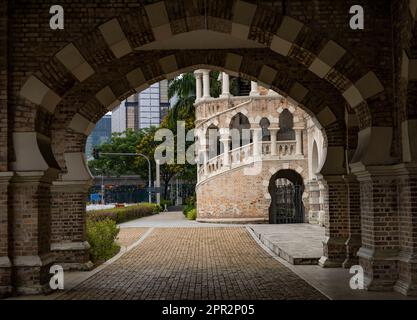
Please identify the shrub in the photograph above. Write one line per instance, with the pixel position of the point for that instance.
(101, 236)
(120, 215)
(192, 214)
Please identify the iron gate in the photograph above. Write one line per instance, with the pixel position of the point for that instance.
(288, 205)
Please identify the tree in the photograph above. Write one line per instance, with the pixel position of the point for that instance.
(118, 165)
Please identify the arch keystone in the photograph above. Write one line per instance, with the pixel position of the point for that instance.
(115, 38)
(72, 59)
(39, 93)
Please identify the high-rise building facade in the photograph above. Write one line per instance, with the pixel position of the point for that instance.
(101, 133)
(142, 110)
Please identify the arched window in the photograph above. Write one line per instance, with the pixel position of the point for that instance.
(213, 140)
(240, 131)
(286, 124)
(264, 124)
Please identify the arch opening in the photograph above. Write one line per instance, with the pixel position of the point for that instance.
(286, 189)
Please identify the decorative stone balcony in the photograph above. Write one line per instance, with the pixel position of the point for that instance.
(269, 151)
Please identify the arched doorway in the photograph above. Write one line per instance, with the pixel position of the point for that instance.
(286, 188)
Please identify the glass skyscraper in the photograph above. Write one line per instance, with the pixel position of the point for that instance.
(142, 110)
(100, 134)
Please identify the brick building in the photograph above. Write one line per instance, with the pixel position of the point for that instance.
(282, 143)
(359, 84)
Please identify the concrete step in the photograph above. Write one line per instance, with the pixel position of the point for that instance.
(291, 248)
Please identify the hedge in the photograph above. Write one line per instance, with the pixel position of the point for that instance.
(101, 236)
(120, 215)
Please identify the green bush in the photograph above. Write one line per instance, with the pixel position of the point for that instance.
(120, 215)
(192, 214)
(101, 236)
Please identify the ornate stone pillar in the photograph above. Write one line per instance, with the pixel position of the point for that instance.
(206, 84)
(353, 243)
(273, 133)
(298, 141)
(225, 86)
(5, 264)
(69, 240)
(254, 89)
(198, 84)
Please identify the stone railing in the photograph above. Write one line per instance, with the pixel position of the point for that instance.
(283, 150)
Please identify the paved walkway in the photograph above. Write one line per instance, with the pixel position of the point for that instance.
(171, 220)
(195, 263)
(168, 257)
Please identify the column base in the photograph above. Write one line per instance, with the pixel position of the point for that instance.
(334, 253)
(407, 280)
(380, 268)
(5, 277)
(72, 256)
(31, 274)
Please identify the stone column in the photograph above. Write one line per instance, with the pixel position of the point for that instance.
(254, 89)
(225, 140)
(273, 133)
(336, 221)
(206, 84)
(198, 76)
(69, 239)
(380, 248)
(407, 262)
(298, 142)
(353, 243)
(225, 86)
(5, 265)
(257, 143)
(31, 229)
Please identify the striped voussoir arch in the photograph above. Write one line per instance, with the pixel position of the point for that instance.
(73, 56)
(168, 65)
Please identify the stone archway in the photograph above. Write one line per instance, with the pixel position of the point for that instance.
(286, 188)
(59, 90)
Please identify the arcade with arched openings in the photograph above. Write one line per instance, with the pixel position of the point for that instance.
(57, 91)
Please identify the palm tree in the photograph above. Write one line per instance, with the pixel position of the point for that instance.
(183, 88)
